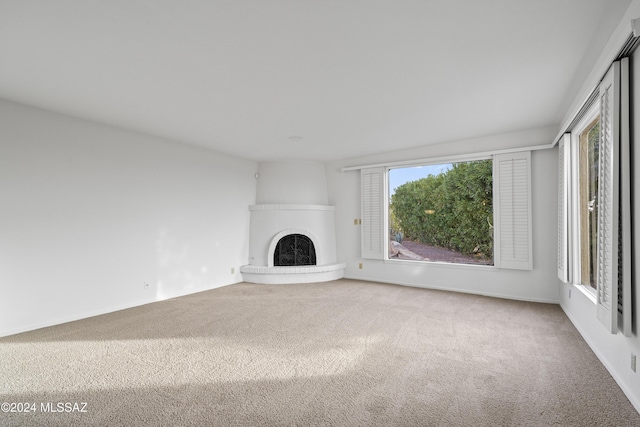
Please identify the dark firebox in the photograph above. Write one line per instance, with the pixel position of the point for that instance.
(294, 249)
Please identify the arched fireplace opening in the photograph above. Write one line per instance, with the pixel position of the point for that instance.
(294, 249)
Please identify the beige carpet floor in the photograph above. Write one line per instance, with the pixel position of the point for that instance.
(343, 353)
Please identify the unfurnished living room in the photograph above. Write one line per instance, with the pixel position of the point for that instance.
(337, 213)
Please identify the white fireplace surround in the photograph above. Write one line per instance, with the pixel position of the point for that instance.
(270, 223)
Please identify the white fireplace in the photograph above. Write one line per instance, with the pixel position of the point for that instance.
(292, 242)
(271, 223)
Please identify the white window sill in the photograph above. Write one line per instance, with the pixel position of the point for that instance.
(437, 264)
(585, 290)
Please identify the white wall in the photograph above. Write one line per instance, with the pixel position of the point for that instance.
(89, 213)
(540, 284)
(615, 350)
(293, 182)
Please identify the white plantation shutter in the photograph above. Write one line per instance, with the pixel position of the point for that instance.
(613, 270)
(624, 225)
(372, 233)
(564, 171)
(607, 264)
(512, 210)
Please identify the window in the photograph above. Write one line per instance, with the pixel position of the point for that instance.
(593, 202)
(467, 211)
(586, 144)
(442, 212)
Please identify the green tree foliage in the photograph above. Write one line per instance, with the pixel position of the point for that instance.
(452, 210)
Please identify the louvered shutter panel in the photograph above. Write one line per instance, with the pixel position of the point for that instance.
(608, 180)
(563, 207)
(614, 207)
(512, 210)
(372, 183)
(624, 225)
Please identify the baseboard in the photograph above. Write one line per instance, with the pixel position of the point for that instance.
(635, 400)
(67, 319)
(464, 291)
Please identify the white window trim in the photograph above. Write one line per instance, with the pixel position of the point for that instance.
(587, 291)
(439, 264)
(574, 205)
(564, 208)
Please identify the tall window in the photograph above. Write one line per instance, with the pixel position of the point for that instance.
(442, 213)
(594, 216)
(588, 148)
(585, 148)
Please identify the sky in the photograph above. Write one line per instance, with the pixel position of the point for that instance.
(399, 176)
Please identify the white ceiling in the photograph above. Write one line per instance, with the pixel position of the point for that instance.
(304, 79)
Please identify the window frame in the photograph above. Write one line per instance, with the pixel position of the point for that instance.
(387, 194)
(573, 187)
